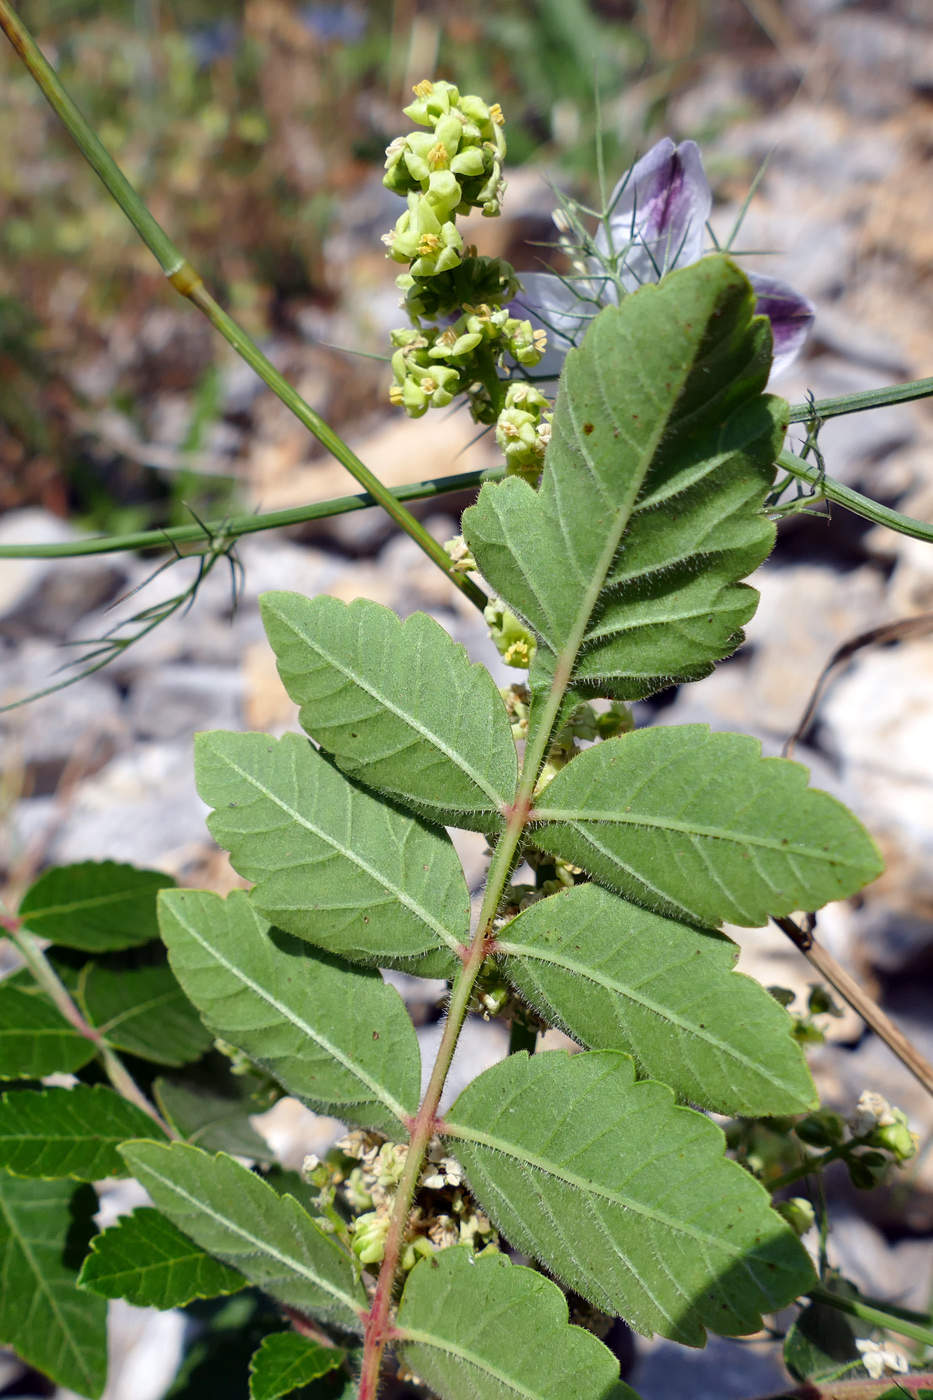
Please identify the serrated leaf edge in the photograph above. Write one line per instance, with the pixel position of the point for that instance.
(405, 1334)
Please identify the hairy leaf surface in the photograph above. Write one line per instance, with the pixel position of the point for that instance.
(211, 1107)
(487, 1329)
(286, 1360)
(45, 1227)
(36, 1040)
(334, 1035)
(619, 978)
(662, 451)
(701, 826)
(624, 1196)
(144, 1011)
(98, 906)
(231, 1213)
(69, 1132)
(399, 704)
(332, 864)
(147, 1260)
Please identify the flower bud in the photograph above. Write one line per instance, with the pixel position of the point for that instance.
(617, 720)
(415, 1250)
(798, 1212)
(824, 1128)
(820, 1003)
(895, 1137)
(866, 1169)
(369, 1237)
(515, 643)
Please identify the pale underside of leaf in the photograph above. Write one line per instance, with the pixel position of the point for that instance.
(485, 1329)
(332, 864)
(617, 977)
(624, 1196)
(699, 825)
(333, 1034)
(398, 704)
(231, 1213)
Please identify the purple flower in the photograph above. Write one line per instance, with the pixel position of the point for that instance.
(656, 222)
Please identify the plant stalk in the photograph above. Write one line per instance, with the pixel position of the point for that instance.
(852, 500)
(858, 403)
(187, 282)
(855, 1307)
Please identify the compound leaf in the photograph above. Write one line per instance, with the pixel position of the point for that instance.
(98, 906)
(286, 1360)
(334, 1035)
(626, 562)
(269, 1238)
(332, 864)
(144, 1011)
(624, 1196)
(36, 1040)
(487, 1329)
(44, 1230)
(619, 978)
(699, 825)
(147, 1260)
(399, 705)
(69, 1132)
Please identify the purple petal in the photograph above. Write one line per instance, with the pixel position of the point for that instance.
(790, 313)
(551, 304)
(661, 206)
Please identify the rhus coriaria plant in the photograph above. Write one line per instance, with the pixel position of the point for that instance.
(616, 546)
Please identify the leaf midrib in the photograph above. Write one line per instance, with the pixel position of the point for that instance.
(76, 906)
(381, 1094)
(411, 1334)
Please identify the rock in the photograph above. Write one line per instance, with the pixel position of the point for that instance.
(175, 702)
(723, 1370)
(19, 577)
(294, 1132)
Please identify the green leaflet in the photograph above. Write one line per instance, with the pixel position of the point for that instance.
(144, 1011)
(619, 978)
(334, 1035)
(271, 1239)
(211, 1107)
(487, 1329)
(662, 450)
(45, 1227)
(98, 906)
(331, 863)
(701, 826)
(36, 1040)
(69, 1132)
(147, 1260)
(624, 1196)
(398, 704)
(285, 1361)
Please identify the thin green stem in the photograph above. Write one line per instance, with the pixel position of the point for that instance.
(879, 1317)
(813, 1164)
(237, 525)
(186, 281)
(854, 501)
(858, 403)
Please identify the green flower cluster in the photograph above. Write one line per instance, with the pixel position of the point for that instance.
(523, 430)
(431, 365)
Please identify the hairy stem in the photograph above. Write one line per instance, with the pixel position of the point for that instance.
(854, 500)
(52, 985)
(186, 281)
(880, 1316)
(858, 403)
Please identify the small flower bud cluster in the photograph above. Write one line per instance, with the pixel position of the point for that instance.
(518, 705)
(513, 641)
(431, 365)
(523, 429)
(458, 552)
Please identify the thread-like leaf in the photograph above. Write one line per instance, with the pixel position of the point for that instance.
(334, 1035)
(487, 1329)
(625, 1196)
(75, 1132)
(332, 864)
(619, 978)
(398, 704)
(98, 906)
(701, 826)
(45, 1227)
(144, 1011)
(625, 563)
(231, 1213)
(147, 1260)
(36, 1040)
(285, 1361)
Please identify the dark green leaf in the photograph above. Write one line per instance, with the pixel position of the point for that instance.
(231, 1213)
(399, 704)
(147, 1260)
(619, 978)
(45, 1227)
(144, 1011)
(285, 1361)
(334, 1035)
(211, 1107)
(69, 1132)
(36, 1040)
(486, 1329)
(624, 1196)
(98, 906)
(332, 864)
(819, 1342)
(701, 826)
(626, 562)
